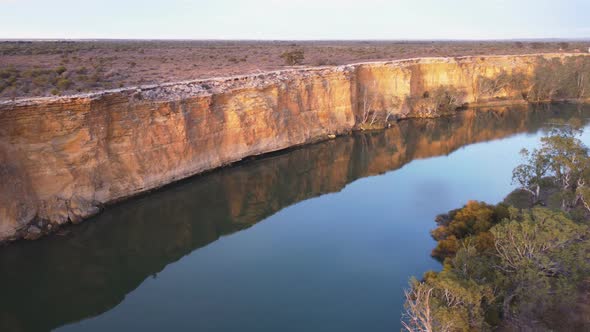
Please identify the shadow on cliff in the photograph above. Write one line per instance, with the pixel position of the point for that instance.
(70, 277)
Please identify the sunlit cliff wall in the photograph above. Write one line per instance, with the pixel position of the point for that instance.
(84, 273)
(63, 158)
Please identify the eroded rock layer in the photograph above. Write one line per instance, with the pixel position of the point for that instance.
(61, 159)
(94, 267)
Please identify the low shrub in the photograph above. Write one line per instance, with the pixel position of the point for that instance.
(294, 57)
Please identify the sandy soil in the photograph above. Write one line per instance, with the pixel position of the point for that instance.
(43, 68)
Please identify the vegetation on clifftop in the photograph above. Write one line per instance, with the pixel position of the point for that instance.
(125, 63)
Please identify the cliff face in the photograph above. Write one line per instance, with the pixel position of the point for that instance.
(62, 158)
(92, 270)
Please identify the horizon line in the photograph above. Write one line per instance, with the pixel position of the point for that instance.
(539, 39)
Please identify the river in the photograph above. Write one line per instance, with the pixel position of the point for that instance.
(317, 238)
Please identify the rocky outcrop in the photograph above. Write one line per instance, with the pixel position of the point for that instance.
(61, 159)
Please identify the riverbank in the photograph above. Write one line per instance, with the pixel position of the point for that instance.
(369, 196)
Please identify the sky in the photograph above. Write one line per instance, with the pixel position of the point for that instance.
(295, 19)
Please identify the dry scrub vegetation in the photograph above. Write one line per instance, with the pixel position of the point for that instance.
(43, 68)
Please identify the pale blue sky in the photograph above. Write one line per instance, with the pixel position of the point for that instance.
(295, 19)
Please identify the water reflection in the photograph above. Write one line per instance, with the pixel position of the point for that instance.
(62, 279)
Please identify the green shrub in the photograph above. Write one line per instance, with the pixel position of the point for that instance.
(60, 70)
(81, 70)
(63, 84)
(533, 267)
(294, 57)
(473, 220)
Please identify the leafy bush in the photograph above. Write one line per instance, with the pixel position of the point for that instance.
(472, 220)
(521, 269)
(535, 267)
(325, 62)
(294, 57)
(8, 78)
(60, 70)
(564, 45)
(64, 84)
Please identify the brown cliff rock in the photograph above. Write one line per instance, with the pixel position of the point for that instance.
(63, 158)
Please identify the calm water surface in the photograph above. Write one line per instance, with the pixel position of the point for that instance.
(322, 238)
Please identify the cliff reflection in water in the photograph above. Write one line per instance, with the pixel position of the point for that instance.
(62, 279)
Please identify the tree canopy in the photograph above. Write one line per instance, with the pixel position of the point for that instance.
(538, 263)
(562, 161)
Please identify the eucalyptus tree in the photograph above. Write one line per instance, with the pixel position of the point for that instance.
(562, 160)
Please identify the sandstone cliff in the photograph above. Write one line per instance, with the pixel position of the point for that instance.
(61, 159)
(93, 269)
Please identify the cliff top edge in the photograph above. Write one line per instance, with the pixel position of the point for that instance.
(170, 91)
